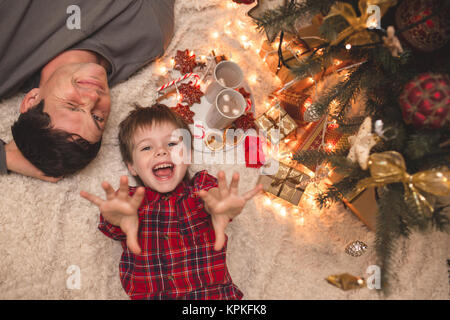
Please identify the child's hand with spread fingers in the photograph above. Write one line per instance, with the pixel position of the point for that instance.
(224, 203)
(120, 209)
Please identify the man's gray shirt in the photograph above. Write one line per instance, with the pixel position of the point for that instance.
(128, 33)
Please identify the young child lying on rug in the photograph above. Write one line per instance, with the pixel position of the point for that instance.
(173, 230)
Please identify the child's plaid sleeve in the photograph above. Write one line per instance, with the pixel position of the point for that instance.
(202, 180)
(110, 230)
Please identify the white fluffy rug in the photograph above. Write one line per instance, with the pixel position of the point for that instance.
(48, 232)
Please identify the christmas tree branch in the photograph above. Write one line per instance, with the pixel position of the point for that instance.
(284, 17)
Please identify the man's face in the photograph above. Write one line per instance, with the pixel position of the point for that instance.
(77, 99)
(158, 154)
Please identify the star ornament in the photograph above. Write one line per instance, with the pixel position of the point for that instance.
(190, 93)
(185, 61)
(184, 112)
(245, 122)
(362, 143)
(258, 11)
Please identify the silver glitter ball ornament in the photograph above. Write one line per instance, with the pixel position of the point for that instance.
(356, 248)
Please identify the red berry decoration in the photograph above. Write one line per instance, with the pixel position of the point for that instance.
(425, 101)
(185, 61)
(191, 93)
(245, 122)
(430, 35)
(184, 112)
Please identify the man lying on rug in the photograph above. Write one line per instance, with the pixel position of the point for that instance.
(65, 54)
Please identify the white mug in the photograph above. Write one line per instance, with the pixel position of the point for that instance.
(229, 105)
(227, 75)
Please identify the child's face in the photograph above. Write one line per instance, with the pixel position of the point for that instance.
(156, 157)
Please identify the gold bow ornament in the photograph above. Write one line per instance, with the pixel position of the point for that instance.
(389, 167)
(357, 32)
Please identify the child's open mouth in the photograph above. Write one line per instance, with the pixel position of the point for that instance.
(164, 170)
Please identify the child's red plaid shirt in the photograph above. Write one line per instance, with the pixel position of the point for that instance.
(177, 239)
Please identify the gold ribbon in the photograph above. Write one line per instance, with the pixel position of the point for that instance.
(294, 180)
(287, 179)
(357, 32)
(389, 167)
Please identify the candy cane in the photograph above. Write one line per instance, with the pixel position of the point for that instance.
(249, 105)
(171, 83)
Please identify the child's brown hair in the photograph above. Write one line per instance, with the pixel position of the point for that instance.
(142, 117)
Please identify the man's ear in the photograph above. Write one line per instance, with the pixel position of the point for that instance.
(31, 99)
(131, 169)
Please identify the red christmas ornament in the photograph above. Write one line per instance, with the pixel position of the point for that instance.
(244, 1)
(425, 101)
(184, 112)
(429, 35)
(190, 93)
(245, 122)
(185, 61)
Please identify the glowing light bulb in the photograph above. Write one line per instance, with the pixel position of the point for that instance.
(253, 78)
(215, 34)
(283, 212)
(162, 69)
(241, 24)
(329, 147)
(348, 46)
(268, 202)
(247, 44)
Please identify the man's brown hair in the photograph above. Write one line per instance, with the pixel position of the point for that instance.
(55, 152)
(144, 117)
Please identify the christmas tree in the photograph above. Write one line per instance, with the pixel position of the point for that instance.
(398, 75)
